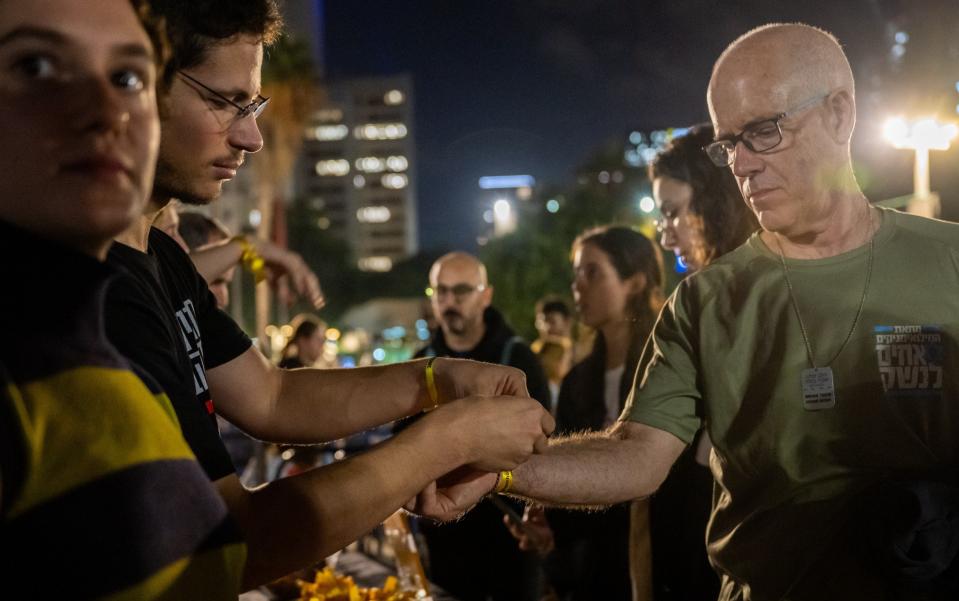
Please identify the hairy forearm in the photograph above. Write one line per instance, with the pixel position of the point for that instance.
(291, 523)
(597, 469)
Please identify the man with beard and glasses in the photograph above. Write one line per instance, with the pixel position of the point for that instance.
(163, 317)
(477, 557)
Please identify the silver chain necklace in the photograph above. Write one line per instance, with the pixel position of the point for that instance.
(818, 383)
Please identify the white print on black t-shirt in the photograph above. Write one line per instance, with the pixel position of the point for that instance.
(910, 360)
(190, 329)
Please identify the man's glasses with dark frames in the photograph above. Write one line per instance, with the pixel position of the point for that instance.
(255, 108)
(757, 137)
(459, 291)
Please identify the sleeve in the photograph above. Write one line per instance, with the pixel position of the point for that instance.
(135, 326)
(666, 395)
(223, 339)
(523, 359)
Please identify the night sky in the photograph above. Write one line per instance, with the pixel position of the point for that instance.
(537, 86)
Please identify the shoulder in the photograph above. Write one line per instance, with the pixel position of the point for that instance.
(924, 229)
(731, 276)
(163, 244)
(177, 269)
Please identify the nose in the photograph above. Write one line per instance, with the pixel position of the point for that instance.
(666, 240)
(745, 161)
(244, 134)
(99, 106)
(577, 286)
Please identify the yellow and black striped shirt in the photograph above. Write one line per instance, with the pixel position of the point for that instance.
(101, 496)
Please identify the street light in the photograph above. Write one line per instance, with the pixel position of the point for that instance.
(921, 136)
(504, 219)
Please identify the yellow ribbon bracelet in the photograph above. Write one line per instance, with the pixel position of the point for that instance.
(431, 385)
(251, 259)
(504, 483)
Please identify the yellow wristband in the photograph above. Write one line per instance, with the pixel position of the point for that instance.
(504, 483)
(431, 385)
(251, 259)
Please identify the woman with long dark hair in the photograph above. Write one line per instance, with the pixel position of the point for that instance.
(703, 218)
(704, 215)
(617, 287)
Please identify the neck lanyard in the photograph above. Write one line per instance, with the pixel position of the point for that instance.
(818, 383)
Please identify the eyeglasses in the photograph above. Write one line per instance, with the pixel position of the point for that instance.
(760, 136)
(255, 108)
(459, 291)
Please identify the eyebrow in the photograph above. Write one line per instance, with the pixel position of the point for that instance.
(32, 32)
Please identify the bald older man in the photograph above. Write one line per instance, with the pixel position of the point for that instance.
(821, 356)
(477, 558)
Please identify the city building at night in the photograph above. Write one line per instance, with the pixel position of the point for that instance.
(357, 169)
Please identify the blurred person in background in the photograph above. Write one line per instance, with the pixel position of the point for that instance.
(200, 232)
(618, 291)
(553, 347)
(100, 494)
(703, 213)
(475, 558)
(553, 319)
(305, 347)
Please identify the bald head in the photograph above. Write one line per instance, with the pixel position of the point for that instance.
(789, 90)
(463, 264)
(781, 64)
(461, 294)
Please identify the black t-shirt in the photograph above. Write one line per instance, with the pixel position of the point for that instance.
(161, 315)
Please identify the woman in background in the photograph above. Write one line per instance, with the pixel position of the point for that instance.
(617, 288)
(703, 217)
(306, 345)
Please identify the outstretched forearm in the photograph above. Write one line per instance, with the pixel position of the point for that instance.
(306, 406)
(294, 522)
(627, 462)
(309, 406)
(337, 403)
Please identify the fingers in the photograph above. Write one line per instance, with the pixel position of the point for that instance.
(304, 281)
(540, 446)
(515, 384)
(548, 423)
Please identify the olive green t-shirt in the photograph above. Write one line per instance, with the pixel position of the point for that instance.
(728, 354)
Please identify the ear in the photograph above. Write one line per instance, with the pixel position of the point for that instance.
(636, 282)
(841, 119)
(487, 296)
